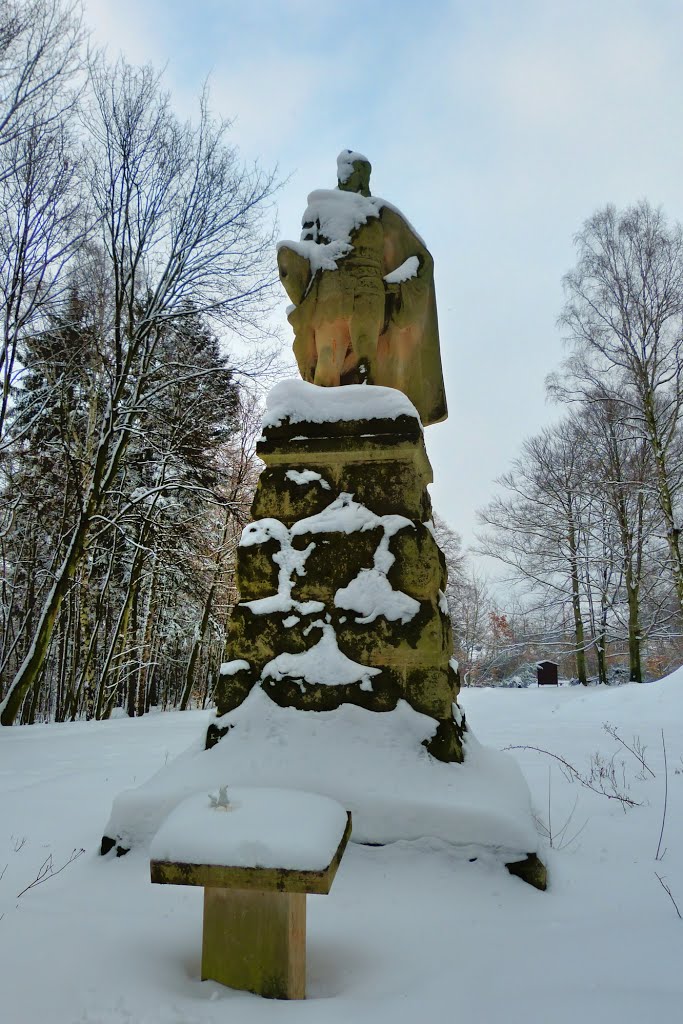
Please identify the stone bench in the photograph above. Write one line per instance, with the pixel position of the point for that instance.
(257, 853)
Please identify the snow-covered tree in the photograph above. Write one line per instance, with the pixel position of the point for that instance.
(184, 233)
(624, 319)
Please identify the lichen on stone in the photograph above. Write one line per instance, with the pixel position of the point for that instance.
(342, 582)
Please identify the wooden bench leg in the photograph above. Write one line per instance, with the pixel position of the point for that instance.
(256, 941)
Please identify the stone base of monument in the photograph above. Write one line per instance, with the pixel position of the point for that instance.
(257, 854)
(375, 765)
(339, 675)
(342, 583)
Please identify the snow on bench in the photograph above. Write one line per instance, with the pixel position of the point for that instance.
(257, 852)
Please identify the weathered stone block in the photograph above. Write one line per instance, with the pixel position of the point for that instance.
(383, 463)
(336, 559)
(446, 744)
(287, 498)
(430, 691)
(388, 487)
(256, 638)
(421, 641)
(417, 569)
(296, 693)
(257, 573)
(236, 686)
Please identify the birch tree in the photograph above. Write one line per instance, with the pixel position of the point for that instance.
(622, 474)
(624, 319)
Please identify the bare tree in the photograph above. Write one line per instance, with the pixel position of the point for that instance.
(236, 493)
(624, 318)
(184, 226)
(538, 528)
(621, 472)
(41, 50)
(43, 225)
(471, 606)
(465, 596)
(43, 217)
(450, 545)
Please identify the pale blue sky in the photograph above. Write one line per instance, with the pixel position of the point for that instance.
(496, 127)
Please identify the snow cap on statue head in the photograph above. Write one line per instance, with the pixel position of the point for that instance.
(353, 172)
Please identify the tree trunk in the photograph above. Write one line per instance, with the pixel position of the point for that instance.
(196, 648)
(579, 635)
(111, 449)
(206, 615)
(30, 669)
(634, 662)
(666, 502)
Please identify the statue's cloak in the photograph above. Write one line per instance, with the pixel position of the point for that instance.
(379, 271)
(411, 335)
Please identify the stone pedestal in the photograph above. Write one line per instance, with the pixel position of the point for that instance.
(256, 941)
(254, 926)
(340, 571)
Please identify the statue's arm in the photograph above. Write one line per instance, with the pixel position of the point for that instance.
(408, 271)
(295, 272)
(408, 290)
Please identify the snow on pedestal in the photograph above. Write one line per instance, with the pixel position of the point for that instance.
(256, 853)
(296, 401)
(256, 827)
(374, 765)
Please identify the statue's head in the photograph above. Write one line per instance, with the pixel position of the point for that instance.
(353, 172)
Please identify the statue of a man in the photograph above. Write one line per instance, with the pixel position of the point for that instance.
(362, 284)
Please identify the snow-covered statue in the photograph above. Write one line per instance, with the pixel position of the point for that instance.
(362, 284)
(339, 676)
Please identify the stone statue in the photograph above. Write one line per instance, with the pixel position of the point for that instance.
(339, 653)
(362, 284)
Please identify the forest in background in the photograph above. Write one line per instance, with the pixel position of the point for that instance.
(587, 521)
(135, 250)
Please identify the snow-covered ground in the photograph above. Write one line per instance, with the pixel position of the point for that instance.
(410, 931)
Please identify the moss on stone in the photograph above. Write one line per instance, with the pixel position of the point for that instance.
(454, 679)
(334, 561)
(417, 566)
(388, 487)
(232, 689)
(256, 638)
(422, 640)
(281, 497)
(446, 743)
(430, 691)
(530, 870)
(296, 693)
(382, 462)
(257, 573)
